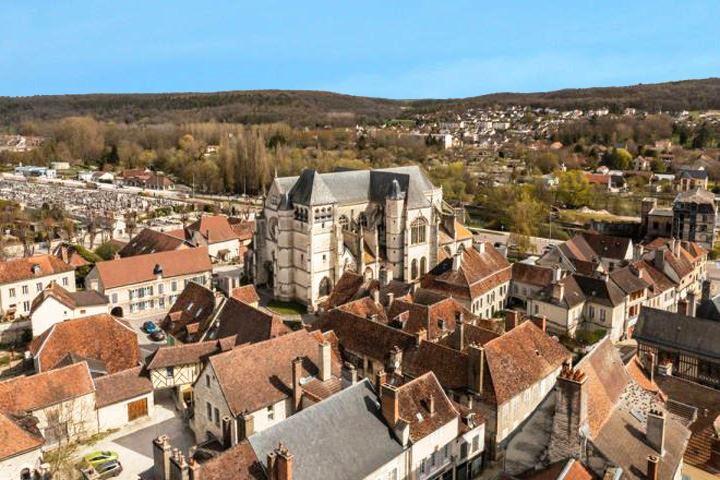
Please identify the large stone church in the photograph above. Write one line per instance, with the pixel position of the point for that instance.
(385, 224)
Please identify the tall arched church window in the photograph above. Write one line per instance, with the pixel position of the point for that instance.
(418, 231)
(414, 269)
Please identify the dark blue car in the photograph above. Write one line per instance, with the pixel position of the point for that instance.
(150, 327)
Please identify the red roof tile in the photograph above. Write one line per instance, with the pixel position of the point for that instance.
(98, 337)
(45, 389)
(22, 268)
(141, 268)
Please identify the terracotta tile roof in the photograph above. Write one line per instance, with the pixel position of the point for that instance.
(345, 289)
(194, 306)
(246, 294)
(707, 402)
(658, 282)
(214, 228)
(119, 386)
(520, 358)
(472, 334)
(16, 440)
(45, 389)
(183, 354)
(257, 375)
(449, 365)
(628, 280)
(638, 374)
(317, 390)
(364, 336)
(607, 379)
(365, 307)
(98, 337)
(247, 323)
(151, 241)
(563, 470)
(478, 273)
(244, 229)
(414, 401)
(22, 268)
(141, 268)
(618, 441)
(438, 318)
(532, 274)
(239, 459)
(598, 178)
(607, 246)
(72, 300)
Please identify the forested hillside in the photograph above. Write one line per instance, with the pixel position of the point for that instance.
(311, 108)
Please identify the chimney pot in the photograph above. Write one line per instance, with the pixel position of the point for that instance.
(653, 467)
(390, 404)
(325, 361)
(297, 388)
(655, 433)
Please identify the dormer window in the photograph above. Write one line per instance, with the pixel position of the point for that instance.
(36, 269)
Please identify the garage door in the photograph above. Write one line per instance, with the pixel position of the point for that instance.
(137, 409)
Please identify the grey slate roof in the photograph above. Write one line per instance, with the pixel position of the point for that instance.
(312, 188)
(674, 330)
(343, 437)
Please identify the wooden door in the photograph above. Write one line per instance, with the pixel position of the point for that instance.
(137, 409)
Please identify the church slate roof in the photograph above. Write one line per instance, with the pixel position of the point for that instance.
(312, 188)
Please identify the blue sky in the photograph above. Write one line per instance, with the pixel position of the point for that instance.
(396, 49)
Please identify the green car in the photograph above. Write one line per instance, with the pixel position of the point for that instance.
(98, 458)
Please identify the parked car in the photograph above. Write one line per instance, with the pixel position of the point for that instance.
(150, 327)
(105, 470)
(157, 336)
(97, 458)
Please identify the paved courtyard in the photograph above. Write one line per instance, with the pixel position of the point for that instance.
(134, 443)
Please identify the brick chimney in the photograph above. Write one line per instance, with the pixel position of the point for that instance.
(476, 367)
(195, 470)
(283, 463)
(380, 379)
(571, 413)
(178, 467)
(653, 467)
(691, 304)
(161, 458)
(395, 359)
(296, 387)
(512, 319)
(325, 362)
(246, 425)
(348, 374)
(459, 334)
(227, 432)
(389, 403)
(659, 259)
(655, 434)
(420, 336)
(376, 296)
(540, 322)
(390, 299)
(457, 262)
(431, 405)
